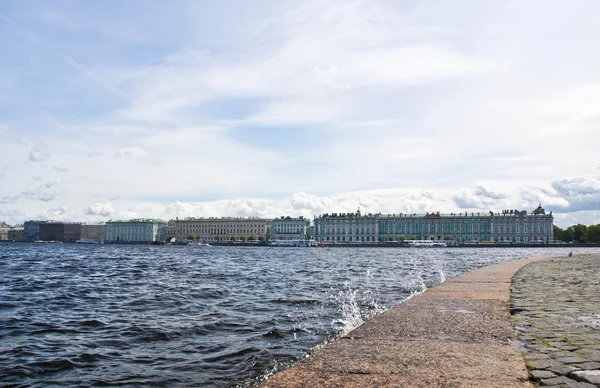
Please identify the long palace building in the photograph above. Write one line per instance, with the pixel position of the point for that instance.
(458, 228)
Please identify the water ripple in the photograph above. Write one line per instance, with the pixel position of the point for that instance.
(140, 316)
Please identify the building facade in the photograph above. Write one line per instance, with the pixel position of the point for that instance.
(509, 226)
(93, 231)
(218, 229)
(347, 228)
(4, 228)
(135, 230)
(52, 231)
(31, 230)
(288, 228)
(72, 232)
(15, 234)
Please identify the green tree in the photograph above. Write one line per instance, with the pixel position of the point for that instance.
(242, 238)
(401, 238)
(190, 237)
(593, 234)
(390, 238)
(447, 238)
(558, 232)
(567, 235)
(232, 238)
(251, 238)
(412, 238)
(218, 238)
(261, 238)
(578, 232)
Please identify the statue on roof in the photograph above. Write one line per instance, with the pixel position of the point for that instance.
(539, 211)
(358, 211)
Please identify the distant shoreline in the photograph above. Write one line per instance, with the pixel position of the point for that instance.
(385, 245)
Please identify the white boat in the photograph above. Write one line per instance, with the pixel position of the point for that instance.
(88, 241)
(426, 244)
(202, 244)
(291, 243)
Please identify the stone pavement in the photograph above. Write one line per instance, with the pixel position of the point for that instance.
(556, 309)
(458, 334)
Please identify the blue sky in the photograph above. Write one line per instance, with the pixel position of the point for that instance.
(122, 109)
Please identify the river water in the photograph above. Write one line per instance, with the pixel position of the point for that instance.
(183, 316)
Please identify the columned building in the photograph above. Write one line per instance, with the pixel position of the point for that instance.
(218, 228)
(347, 228)
(508, 226)
(136, 230)
(288, 228)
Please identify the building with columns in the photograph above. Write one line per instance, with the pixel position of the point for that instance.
(288, 228)
(347, 228)
(135, 230)
(508, 226)
(217, 228)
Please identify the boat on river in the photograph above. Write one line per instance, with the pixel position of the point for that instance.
(291, 243)
(89, 241)
(426, 244)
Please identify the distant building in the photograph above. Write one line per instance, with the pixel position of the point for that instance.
(15, 234)
(211, 229)
(31, 230)
(347, 228)
(508, 226)
(93, 231)
(72, 231)
(52, 231)
(288, 228)
(136, 230)
(4, 228)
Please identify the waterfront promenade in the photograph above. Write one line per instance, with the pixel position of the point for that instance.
(460, 334)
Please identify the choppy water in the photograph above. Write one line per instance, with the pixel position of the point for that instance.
(197, 316)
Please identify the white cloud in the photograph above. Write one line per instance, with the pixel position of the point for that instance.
(100, 209)
(36, 155)
(131, 152)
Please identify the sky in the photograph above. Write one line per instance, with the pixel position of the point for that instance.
(124, 109)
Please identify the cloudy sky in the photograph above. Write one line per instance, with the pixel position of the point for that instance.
(112, 109)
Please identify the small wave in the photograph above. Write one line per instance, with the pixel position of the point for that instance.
(293, 302)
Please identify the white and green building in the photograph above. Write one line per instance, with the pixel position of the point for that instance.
(508, 226)
(135, 230)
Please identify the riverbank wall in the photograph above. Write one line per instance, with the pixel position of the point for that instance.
(458, 334)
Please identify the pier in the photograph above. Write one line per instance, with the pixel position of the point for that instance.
(462, 334)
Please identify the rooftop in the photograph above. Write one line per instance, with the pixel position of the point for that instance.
(152, 220)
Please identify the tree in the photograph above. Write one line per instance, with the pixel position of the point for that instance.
(390, 238)
(218, 238)
(232, 238)
(198, 238)
(242, 238)
(593, 234)
(261, 238)
(558, 233)
(401, 238)
(412, 238)
(447, 238)
(578, 232)
(251, 238)
(567, 235)
(190, 237)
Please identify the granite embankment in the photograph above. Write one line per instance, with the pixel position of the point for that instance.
(556, 308)
(458, 334)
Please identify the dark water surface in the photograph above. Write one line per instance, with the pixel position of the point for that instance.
(197, 316)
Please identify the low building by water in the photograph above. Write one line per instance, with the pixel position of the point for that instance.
(288, 228)
(508, 226)
(93, 231)
(135, 230)
(4, 228)
(218, 228)
(347, 228)
(15, 234)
